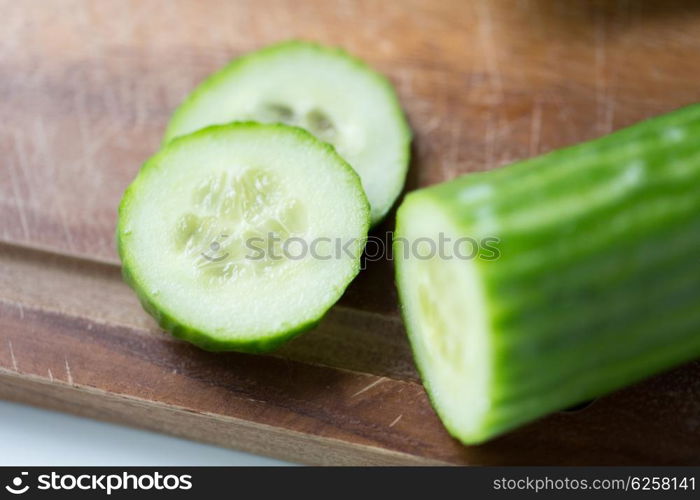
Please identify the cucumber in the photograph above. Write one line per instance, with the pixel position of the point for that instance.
(205, 234)
(338, 98)
(594, 282)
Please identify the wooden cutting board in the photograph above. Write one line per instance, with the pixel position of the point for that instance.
(86, 88)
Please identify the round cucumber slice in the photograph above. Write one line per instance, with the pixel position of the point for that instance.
(229, 235)
(336, 97)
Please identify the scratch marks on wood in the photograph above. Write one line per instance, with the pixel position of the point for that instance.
(69, 375)
(490, 141)
(20, 201)
(605, 101)
(12, 356)
(367, 388)
(22, 158)
(81, 116)
(600, 57)
(18, 305)
(488, 45)
(608, 112)
(68, 236)
(395, 421)
(43, 150)
(405, 84)
(14, 21)
(450, 161)
(536, 128)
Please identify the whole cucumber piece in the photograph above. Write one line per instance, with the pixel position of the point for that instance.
(214, 234)
(594, 282)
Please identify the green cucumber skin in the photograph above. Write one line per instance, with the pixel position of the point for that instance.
(236, 64)
(598, 282)
(175, 124)
(201, 338)
(182, 330)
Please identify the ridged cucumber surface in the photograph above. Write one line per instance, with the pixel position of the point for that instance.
(333, 95)
(596, 283)
(212, 233)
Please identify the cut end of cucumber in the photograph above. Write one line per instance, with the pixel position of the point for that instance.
(206, 231)
(324, 90)
(444, 309)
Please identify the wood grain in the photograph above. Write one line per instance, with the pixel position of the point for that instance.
(85, 91)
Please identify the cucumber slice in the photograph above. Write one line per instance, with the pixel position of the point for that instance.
(597, 284)
(210, 234)
(338, 98)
